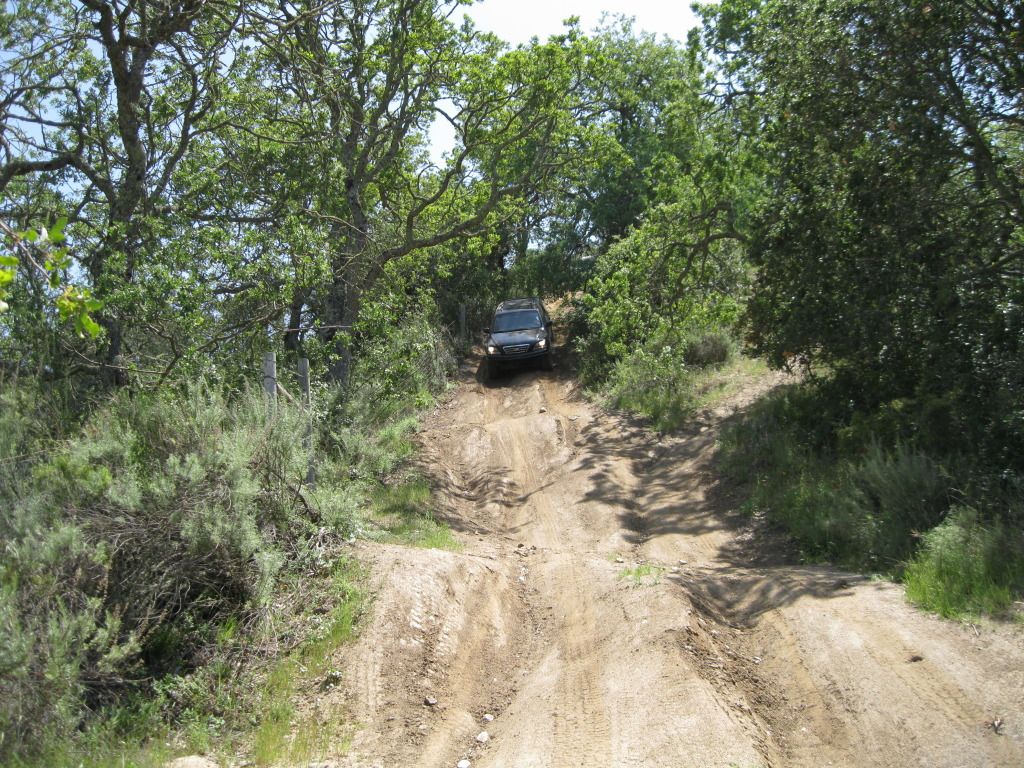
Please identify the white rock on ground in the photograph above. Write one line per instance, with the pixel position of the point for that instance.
(192, 761)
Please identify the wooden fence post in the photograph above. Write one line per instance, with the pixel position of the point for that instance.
(463, 333)
(307, 438)
(270, 377)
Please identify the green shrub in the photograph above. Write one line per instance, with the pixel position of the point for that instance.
(865, 508)
(894, 496)
(966, 566)
(398, 371)
(127, 546)
(847, 496)
(665, 379)
(713, 347)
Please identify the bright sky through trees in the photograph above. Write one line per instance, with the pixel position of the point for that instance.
(518, 20)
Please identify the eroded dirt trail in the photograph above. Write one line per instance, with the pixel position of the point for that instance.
(611, 608)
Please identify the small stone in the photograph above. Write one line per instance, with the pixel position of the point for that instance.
(463, 764)
(430, 701)
(483, 737)
(488, 718)
(682, 562)
(619, 560)
(543, 409)
(332, 679)
(192, 761)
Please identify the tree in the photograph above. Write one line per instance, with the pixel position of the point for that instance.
(346, 93)
(101, 101)
(891, 248)
(621, 144)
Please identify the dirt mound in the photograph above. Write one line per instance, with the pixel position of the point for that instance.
(611, 608)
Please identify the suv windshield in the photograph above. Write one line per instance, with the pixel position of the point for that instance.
(518, 320)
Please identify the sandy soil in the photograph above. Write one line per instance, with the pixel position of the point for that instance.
(722, 652)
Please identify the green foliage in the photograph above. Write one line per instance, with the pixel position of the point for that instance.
(45, 253)
(893, 497)
(888, 248)
(403, 362)
(966, 566)
(666, 382)
(884, 509)
(168, 514)
(865, 507)
(680, 268)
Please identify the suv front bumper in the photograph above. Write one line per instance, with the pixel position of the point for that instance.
(499, 356)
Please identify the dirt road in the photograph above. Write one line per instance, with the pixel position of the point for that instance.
(611, 608)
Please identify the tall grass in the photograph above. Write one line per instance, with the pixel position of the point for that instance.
(891, 509)
(967, 566)
(284, 735)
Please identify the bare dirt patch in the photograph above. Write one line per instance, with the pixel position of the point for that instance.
(724, 653)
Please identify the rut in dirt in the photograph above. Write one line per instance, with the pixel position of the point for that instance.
(611, 607)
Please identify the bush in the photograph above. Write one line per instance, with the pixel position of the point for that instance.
(865, 507)
(845, 495)
(966, 566)
(399, 369)
(168, 514)
(894, 497)
(709, 348)
(664, 381)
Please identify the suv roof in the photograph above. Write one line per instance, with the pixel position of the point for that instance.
(511, 304)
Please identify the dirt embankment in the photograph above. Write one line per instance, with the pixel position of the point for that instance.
(611, 608)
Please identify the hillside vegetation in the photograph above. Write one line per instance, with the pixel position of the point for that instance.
(836, 188)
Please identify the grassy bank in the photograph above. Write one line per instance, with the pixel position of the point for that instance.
(666, 383)
(887, 490)
(170, 582)
(852, 491)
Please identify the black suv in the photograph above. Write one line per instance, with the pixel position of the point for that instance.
(520, 330)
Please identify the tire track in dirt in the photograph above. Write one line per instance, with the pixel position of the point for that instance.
(612, 608)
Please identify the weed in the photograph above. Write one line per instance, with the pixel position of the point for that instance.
(403, 513)
(285, 734)
(643, 574)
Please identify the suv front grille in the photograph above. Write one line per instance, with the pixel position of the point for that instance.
(515, 349)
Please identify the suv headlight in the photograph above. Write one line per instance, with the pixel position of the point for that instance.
(491, 349)
(542, 344)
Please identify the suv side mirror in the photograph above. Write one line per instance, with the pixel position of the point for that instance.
(487, 329)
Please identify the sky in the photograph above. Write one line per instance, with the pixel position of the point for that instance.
(516, 21)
